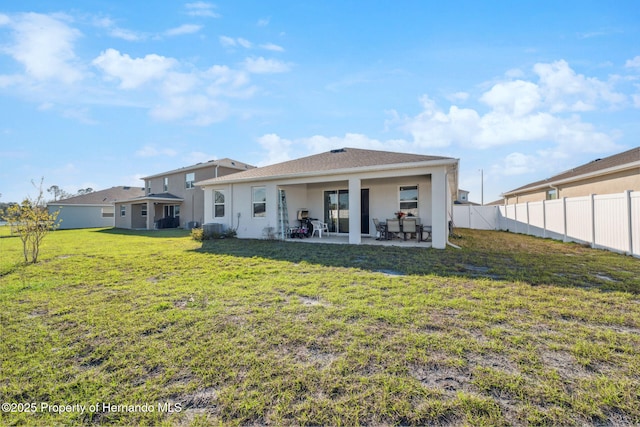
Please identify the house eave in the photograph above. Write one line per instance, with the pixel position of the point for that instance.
(151, 199)
(85, 205)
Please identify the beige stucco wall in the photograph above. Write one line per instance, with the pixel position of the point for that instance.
(614, 183)
(192, 208)
(383, 202)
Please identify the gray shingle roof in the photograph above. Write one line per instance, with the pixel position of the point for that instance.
(226, 162)
(617, 160)
(103, 197)
(344, 158)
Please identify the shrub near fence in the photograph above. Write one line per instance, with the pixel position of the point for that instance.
(609, 221)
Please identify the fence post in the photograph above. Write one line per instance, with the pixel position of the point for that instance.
(592, 198)
(627, 200)
(528, 222)
(544, 219)
(564, 219)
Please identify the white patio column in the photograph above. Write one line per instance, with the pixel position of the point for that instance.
(439, 200)
(355, 214)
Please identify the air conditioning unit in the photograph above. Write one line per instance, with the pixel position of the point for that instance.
(213, 228)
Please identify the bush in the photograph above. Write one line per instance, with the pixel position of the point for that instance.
(197, 234)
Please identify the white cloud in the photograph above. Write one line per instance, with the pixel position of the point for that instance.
(127, 35)
(224, 81)
(458, 96)
(115, 31)
(133, 73)
(515, 164)
(45, 46)
(272, 47)
(201, 8)
(277, 149)
(263, 66)
(521, 111)
(4, 19)
(195, 157)
(244, 43)
(263, 22)
(633, 63)
(183, 29)
(564, 90)
(517, 97)
(179, 83)
(280, 149)
(196, 109)
(227, 41)
(151, 151)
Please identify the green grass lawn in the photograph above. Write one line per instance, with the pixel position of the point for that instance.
(154, 328)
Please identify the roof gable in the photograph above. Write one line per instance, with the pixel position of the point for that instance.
(340, 159)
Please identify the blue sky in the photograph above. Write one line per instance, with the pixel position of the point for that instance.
(101, 93)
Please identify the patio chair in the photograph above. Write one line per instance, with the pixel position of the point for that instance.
(320, 227)
(409, 227)
(381, 229)
(426, 229)
(393, 228)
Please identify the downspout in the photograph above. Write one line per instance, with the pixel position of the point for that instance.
(446, 213)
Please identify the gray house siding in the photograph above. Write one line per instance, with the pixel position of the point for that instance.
(79, 216)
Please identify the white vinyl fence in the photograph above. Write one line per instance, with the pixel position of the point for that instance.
(610, 221)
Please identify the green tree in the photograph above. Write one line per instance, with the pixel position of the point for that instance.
(58, 193)
(31, 221)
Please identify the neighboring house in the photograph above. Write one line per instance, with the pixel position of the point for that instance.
(463, 198)
(345, 188)
(93, 209)
(613, 174)
(171, 198)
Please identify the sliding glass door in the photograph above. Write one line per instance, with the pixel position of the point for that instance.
(336, 210)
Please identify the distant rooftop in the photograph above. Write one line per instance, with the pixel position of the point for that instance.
(616, 161)
(102, 197)
(226, 162)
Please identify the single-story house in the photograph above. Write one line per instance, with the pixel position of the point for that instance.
(93, 209)
(613, 174)
(345, 188)
(171, 199)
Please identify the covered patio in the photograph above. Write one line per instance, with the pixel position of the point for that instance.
(343, 239)
(149, 212)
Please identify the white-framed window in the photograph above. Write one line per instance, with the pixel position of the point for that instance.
(171, 211)
(552, 194)
(165, 184)
(259, 202)
(408, 197)
(190, 179)
(123, 210)
(143, 210)
(218, 203)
